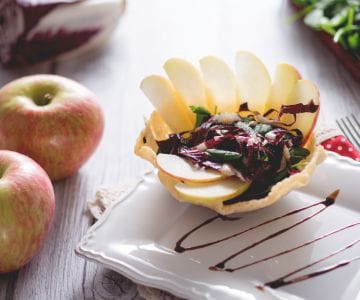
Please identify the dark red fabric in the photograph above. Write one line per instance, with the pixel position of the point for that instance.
(342, 146)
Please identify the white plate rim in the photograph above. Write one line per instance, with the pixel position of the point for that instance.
(139, 275)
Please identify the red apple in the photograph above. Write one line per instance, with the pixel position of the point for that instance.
(52, 119)
(27, 205)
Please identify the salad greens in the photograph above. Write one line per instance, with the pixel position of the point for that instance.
(338, 18)
(250, 148)
(219, 155)
(201, 114)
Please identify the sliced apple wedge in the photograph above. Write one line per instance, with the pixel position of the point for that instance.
(187, 81)
(221, 84)
(285, 79)
(218, 191)
(180, 169)
(303, 92)
(204, 193)
(172, 109)
(253, 80)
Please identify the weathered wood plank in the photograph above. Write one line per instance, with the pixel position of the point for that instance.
(151, 32)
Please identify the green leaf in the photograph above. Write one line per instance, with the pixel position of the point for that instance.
(222, 155)
(201, 114)
(299, 151)
(281, 175)
(354, 41)
(339, 18)
(315, 18)
(262, 128)
(199, 110)
(351, 14)
(295, 160)
(343, 31)
(297, 154)
(327, 27)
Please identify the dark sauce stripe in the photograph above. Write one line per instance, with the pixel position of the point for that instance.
(295, 248)
(221, 265)
(179, 248)
(282, 281)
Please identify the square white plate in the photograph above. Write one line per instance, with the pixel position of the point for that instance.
(137, 237)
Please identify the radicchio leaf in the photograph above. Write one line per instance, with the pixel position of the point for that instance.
(295, 109)
(238, 146)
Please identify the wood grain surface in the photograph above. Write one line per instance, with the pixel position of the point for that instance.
(150, 32)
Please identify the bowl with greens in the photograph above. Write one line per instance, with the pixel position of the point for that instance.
(337, 23)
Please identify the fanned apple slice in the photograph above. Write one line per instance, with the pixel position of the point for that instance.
(187, 81)
(285, 79)
(253, 80)
(221, 84)
(303, 92)
(204, 193)
(170, 106)
(218, 191)
(179, 168)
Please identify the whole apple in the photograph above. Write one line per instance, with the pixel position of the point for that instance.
(27, 205)
(52, 119)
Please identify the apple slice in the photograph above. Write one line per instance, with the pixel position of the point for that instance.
(253, 80)
(163, 96)
(187, 81)
(180, 169)
(221, 84)
(285, 79)
(303, 92)
(217, 191)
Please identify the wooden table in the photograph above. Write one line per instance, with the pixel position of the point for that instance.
(150, 32)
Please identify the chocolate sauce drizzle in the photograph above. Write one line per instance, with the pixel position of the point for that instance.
(295, 248)
(282, 281)
(327, 202)
(179, 248)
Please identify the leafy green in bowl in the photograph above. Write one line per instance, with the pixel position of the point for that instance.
(338, 18)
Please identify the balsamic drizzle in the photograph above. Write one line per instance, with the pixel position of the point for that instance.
(179, 248)
(283, 280)
(295, 248)
(221, 265)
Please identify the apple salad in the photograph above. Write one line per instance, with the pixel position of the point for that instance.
(229, 142)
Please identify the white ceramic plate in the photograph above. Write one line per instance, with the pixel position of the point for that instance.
(137, 236)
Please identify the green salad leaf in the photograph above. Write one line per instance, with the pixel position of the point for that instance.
(219, 155)
(201, 114)
(338, 18)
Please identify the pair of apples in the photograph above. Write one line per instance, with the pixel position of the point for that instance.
(218, 88)
(57, 124)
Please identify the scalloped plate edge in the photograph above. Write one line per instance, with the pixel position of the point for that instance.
(136, 274)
